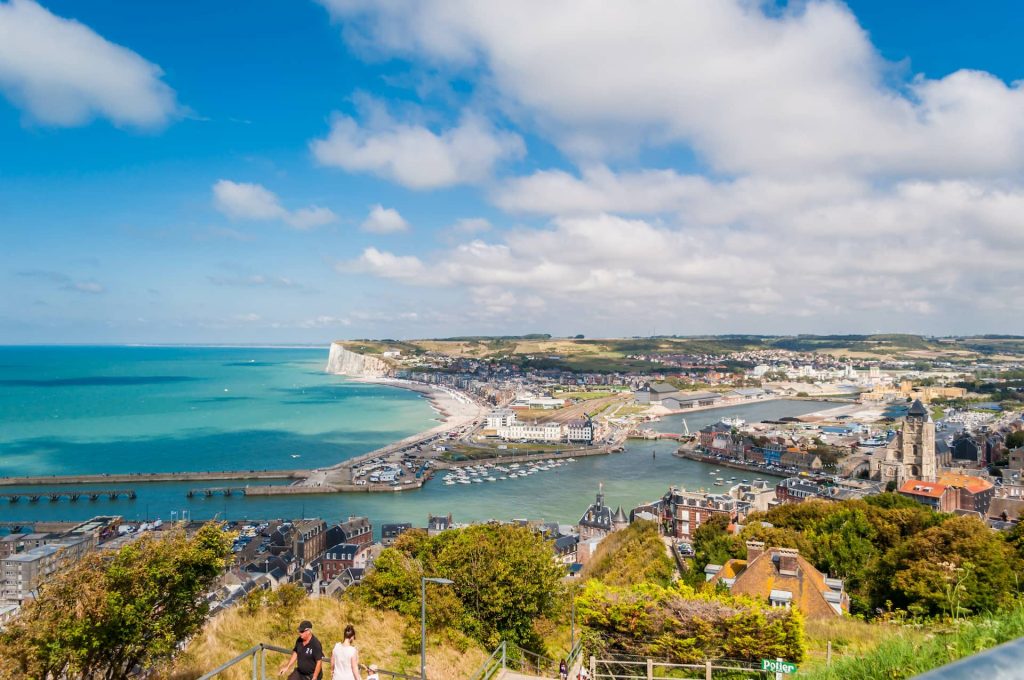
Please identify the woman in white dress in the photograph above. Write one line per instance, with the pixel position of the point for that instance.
(345, 657)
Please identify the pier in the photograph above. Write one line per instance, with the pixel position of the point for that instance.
(70, 494)
(211, 491)
(148, 477)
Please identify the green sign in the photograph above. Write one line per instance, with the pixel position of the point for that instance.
(774, 666)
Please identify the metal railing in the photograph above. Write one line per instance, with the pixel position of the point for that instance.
(509, 655)
(999, 663)
(494, 664)
(648, 669)
(258, 657)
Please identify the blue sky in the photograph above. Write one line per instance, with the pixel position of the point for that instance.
(300, 171)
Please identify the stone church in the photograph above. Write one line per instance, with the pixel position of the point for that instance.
(911, 455)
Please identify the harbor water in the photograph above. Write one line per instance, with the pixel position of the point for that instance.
(66, 410)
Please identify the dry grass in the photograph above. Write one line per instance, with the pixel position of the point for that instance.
(850, 637)
(383, 638)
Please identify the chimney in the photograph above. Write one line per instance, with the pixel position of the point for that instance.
(788, 565)
(754, 549)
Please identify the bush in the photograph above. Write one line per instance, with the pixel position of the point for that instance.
(686, 626)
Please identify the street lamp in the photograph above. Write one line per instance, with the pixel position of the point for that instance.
(423, 619)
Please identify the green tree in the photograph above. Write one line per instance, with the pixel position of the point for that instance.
(505, 578)
(634, 555)
(1015, 439)
(959, 559)
(112, 616)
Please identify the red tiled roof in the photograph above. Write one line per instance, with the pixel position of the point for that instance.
(969, 482)
(916, 487)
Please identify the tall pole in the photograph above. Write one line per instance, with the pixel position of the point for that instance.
(423, 628)
(572, 625)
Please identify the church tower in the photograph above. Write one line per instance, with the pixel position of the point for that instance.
(912, 454)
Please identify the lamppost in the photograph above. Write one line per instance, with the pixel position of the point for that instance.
(423, 619)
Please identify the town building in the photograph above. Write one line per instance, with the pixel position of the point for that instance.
(22, 574)
(964, 450)
(911, 455)
(438, 523)
(782, 578)
(580, 430)
(389, 533)
(682, 512)
(500, 418)
(936, 496)
(355, 530)
(973, 493)
(308, 540)
(341, 557)
(1016, 458)
(537, 432)
(599, 520)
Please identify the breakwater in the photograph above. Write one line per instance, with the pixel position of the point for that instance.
(143, 477)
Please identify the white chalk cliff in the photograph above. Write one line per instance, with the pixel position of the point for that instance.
(345, 362)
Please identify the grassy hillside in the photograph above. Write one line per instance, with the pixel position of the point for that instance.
(908, 652)
(384, 638)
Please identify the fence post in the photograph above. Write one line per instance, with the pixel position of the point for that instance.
(650, 669)
(828, 653)
(593, 667)
(503, 655)
(707, 669)
(255, 666)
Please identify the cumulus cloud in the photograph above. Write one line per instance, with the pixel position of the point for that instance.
(383, 220)
(245, 201)
(796, 92)
(737, 278)
(829, 190)
(60, 72)
(414, 155)
(385, 265)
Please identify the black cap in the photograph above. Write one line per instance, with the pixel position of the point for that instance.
(304, 626)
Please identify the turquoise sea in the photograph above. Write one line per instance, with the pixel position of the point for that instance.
(134, 409)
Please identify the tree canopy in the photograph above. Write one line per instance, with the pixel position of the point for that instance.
(505, 579)
(893, 553)
(113, 615)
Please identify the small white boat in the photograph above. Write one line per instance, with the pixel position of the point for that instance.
(492, 479)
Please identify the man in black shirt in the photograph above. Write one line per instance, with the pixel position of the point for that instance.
(307, 655)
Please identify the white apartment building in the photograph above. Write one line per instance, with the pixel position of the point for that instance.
(500, 418)
(535, 432)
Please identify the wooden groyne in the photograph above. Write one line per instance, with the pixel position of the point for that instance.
(147, 477)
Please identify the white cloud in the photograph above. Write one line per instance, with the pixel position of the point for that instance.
(383, 220)
(241, 200)
(385, 265)
(809, 265)
(797, 93)
(414, 155)
(60, 72)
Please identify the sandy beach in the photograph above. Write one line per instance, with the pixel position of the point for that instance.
(454, 408)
